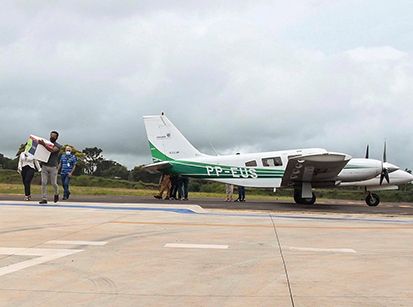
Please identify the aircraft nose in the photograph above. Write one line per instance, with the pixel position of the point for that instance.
(410, 177)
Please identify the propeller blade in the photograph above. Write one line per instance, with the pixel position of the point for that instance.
(384, 153)
(367, 151)
(384, 175)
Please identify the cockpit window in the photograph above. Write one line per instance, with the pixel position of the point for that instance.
(251, 163)
(271, 162)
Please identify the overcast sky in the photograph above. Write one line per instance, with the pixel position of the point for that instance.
(240, 75)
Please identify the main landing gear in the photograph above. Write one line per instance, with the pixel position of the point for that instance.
(304, 201)
(372, 199)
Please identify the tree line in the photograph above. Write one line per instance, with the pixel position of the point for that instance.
(92, 162)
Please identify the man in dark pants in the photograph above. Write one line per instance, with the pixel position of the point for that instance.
(49, 169)
(175, 187)
(184, 185)
(241, 193)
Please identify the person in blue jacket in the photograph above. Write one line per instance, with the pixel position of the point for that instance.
(67, 165)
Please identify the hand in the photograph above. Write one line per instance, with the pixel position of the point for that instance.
(19, 171)
(70, 174)
(41, 142)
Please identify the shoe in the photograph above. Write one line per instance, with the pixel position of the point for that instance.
(56, 198)
(157, 196)
(64, 198)
(43, 202)
(237, 200)
(185, 199)
(26, 198)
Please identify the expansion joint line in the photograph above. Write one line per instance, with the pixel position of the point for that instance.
(283, 260)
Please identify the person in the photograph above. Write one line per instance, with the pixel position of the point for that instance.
(241, 193)
(49, 169)
(175, 187)
(229, 191)
(164, 186)
(26, 168)
(184, 187)
(67, 166)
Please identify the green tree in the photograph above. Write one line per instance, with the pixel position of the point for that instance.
(7, 163)
(139, 174)
(117, 171)
(92, 158)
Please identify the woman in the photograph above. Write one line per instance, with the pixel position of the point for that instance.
(26, 167)
(229, 191)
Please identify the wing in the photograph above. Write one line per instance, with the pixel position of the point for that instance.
(157, 167)
(317, 169)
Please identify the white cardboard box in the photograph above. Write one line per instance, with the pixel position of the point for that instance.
(38, 151)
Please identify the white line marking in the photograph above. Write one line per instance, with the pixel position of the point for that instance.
(45, 256)
(177, 245)
(77, 242)
(330, 250)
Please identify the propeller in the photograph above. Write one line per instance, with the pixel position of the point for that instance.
(384, 171)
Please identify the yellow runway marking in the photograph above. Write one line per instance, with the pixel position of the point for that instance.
(265, 226)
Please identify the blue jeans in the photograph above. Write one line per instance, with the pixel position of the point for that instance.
(65, 183)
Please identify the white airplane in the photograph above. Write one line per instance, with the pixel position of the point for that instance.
(300, 169)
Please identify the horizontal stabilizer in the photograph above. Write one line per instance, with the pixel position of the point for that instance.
(158, 167)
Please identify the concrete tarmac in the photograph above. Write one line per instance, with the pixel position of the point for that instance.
(179, 254)
(322, 206)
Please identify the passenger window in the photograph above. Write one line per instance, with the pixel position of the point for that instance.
(251, 163)
(271, 162)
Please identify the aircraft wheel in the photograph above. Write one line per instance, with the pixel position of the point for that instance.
(310, 201)
(372, 200)
(303, 201)
(297, 197)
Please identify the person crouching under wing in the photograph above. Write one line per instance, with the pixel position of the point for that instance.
(165, 185)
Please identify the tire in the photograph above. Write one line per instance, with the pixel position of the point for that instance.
(372, 200)
(303, 201)
(297, 197)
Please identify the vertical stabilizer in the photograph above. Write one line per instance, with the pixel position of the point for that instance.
(166, 141)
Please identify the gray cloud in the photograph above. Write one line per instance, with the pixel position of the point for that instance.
(225, 74)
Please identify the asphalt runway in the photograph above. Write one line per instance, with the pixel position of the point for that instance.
(168, 253)
(322, 206)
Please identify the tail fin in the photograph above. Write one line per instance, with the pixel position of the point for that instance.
(166, 141)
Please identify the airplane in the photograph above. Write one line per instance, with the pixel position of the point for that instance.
(300, 169)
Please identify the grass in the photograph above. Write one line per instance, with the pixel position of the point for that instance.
(12, 188)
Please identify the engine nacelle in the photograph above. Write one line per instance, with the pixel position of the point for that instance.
(359, 170)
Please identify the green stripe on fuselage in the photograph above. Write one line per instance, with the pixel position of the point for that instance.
(212, 170)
